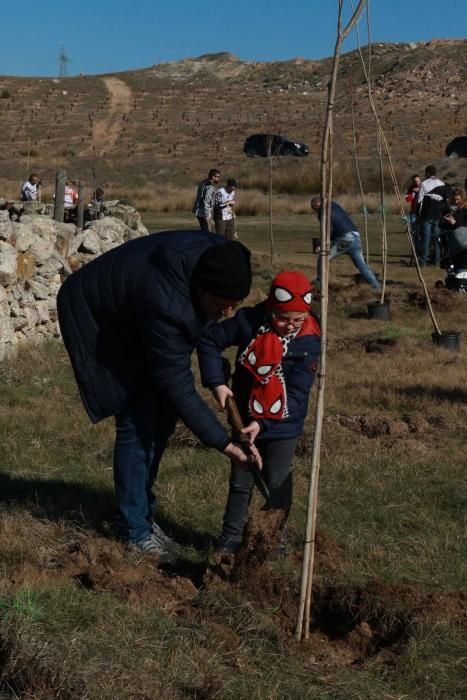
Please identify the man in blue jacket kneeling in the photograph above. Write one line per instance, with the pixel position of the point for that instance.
(130, 320)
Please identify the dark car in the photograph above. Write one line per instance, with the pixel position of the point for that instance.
(264, 144)
(457, 148)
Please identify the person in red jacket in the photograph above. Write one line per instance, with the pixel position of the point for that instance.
(278, 352)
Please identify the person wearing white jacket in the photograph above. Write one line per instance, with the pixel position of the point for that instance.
(432, 199)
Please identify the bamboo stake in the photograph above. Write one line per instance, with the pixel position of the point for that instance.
(360, 187)
(395, 183)
(384, 237)
(271, 232)
(325, 224)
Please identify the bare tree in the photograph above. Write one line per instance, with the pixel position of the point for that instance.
(304, 612)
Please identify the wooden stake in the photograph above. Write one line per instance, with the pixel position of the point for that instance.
(59, 207)
(392, 174)
(81, 202)
(384, 237)
(325, 228)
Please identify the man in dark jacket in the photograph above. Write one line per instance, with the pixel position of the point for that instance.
(432, 200)
(345, 239)
(204, 201)
(130, 321)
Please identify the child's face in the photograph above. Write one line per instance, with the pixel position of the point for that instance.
(287, 322)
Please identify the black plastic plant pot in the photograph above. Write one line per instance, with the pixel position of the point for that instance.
(378, 311)
(316, 243)
(448, 339)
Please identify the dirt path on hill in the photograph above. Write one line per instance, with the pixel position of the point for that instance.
(107, 129)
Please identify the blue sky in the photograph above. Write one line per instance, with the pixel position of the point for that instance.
(116, 35)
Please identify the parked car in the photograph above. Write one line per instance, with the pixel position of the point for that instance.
(263, 144)
(457, 148)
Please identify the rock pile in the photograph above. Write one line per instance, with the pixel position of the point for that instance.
(37, 254)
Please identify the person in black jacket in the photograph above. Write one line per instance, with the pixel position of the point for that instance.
(278, 351)
(433, 197)
(130, 320)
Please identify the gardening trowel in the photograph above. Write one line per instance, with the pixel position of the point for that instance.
(236, 422)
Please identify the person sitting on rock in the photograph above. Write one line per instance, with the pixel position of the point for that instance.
(95, 208)
(70, 200)
(30, 189)
(278, 345)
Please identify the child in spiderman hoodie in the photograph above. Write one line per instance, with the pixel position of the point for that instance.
(278, 344)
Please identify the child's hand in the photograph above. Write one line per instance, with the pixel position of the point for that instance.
(221, 393)
(251, 431)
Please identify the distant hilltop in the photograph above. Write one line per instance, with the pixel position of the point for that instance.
(170, 122)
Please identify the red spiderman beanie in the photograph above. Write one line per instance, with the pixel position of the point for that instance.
(290, 291)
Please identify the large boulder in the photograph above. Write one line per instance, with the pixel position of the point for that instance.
(37, 254)
(6, 228)
(7, 264)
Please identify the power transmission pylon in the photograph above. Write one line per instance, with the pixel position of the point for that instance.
(63, 62)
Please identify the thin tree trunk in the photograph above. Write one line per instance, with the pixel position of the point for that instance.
(392, 174)
(271, 231)
(360, 187)
(326, 192)
(384, 237)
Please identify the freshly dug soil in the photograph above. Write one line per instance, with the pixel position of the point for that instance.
(104, 565)
(260, 541)
(377, 424)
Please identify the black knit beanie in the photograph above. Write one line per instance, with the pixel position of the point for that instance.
(224, 270)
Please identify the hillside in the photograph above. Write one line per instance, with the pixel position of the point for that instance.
(170, 122)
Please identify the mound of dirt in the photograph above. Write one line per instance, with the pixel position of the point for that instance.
(380, 345)
(260, 541)
(443, 299)
(107, 566)
(376, 424)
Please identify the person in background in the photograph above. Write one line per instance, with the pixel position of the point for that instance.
(204, 201)
(454, 230)
(70, 200)
(432, 200)
(224, 214)
(95, 209)
(98, 197)
(448, 219)
(30, 189)
(345, 240)
(412, 198)
(278, 345)
(71, 196)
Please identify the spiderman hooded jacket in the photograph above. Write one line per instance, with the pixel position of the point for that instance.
(297, 369)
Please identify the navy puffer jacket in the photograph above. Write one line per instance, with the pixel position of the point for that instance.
(299, 367)
(129, 321)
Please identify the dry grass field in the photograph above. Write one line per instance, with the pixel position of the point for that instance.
(80, 618)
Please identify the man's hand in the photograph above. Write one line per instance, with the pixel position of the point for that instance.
(238, 455)
(252, 430)
(221, 393)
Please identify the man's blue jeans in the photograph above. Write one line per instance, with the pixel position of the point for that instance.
(416, 233)
(430, 232)
(142, 431)
(350, 244)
